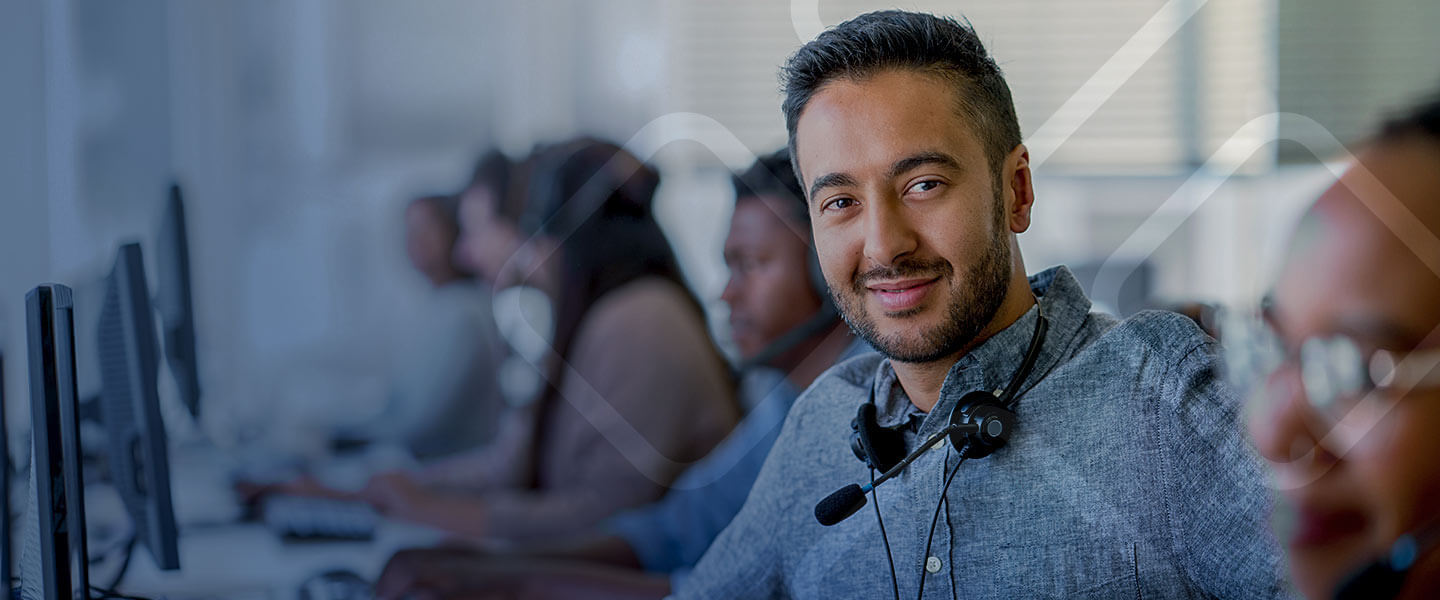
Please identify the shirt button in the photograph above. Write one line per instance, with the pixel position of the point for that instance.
(932, 565)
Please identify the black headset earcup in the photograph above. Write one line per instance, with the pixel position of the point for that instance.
(996, 424)
(879, 448)
(860, 435)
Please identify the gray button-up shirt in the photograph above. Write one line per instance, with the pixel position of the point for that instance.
(1127, 477)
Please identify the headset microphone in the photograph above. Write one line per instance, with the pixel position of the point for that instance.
(823, 319)
(1384, 578)
(845, 501)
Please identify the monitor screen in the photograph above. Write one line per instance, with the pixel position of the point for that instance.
(6, 564)
(54, 566)
(136, 449)
(172, 299)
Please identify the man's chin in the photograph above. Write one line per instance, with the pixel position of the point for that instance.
(910, 347)
(912, 323)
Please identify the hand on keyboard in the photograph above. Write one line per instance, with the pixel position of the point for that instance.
(302, 518)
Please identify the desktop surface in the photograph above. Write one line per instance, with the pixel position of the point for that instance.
(225, 557)
(249, 560)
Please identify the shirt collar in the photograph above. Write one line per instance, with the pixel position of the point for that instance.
(991, 364)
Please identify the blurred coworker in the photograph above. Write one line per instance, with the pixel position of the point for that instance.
(787, 333)
(1091, 457)
(1348, 406)
(444, 398)
(635, 389)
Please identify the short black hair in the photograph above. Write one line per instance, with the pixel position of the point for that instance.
(772, 175)
(894, 39)
(1419, 121)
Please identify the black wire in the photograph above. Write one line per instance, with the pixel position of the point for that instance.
(108, 553)
(875, 500)
(948, 527)
(124, 565)
(934, 520)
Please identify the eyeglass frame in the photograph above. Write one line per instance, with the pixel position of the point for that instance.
(1385, 371)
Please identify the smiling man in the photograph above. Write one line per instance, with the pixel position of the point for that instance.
(1070, 454)
(1346, 397)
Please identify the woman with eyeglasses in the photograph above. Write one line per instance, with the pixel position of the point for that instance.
(1345, 389)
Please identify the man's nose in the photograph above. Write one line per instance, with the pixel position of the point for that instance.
(889, 232)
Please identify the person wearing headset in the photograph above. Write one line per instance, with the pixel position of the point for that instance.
(634, 391)
(787, 333)
(1342, 365)
(1008, 442)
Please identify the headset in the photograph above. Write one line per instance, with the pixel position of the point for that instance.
(1385, 577)
(982, 421)
(979, 424)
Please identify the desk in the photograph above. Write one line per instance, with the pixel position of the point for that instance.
(222, 557)
(250, 561)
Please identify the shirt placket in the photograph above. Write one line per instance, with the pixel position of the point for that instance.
(924, 479)
(937, 564)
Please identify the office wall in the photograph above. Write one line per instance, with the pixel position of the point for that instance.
(24, 213)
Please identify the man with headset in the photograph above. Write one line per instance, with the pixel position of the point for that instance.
(786, 332)
(1032, 448)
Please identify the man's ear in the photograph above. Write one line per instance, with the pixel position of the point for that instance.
(1019, 190)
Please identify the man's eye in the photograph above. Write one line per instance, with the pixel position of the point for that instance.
(840, 203)
(925, 186)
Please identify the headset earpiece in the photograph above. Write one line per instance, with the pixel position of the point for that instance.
(860, 436)
(994, 420)
(877, 447)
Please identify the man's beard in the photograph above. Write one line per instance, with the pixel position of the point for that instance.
(968, 311)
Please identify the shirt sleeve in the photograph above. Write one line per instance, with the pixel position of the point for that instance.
(747, 560)
(669, 536)
(1219, 501)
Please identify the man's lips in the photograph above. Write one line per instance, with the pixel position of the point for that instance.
(900, 295)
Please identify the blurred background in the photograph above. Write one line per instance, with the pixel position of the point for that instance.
(300, 130)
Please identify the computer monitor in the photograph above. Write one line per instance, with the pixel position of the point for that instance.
(6, 562)
(172, 299)
(136, 450)
(54, 566)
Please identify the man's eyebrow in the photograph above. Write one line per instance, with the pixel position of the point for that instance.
(924, 158)
(831, 180)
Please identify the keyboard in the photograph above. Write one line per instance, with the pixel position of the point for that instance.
(298, 518)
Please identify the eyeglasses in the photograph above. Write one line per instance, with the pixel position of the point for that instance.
(1336, 371)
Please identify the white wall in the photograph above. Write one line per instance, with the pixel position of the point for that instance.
(24, 214)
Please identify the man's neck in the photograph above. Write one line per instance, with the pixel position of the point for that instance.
(922, 381)
(811, 357)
